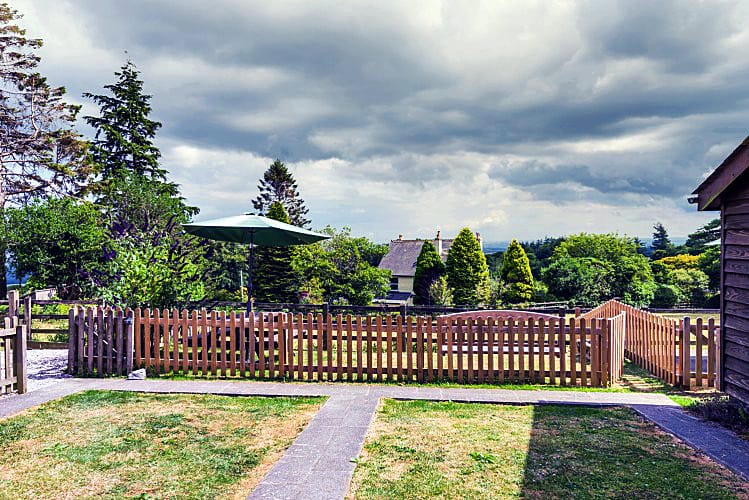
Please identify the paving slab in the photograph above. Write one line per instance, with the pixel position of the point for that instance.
(719, 443)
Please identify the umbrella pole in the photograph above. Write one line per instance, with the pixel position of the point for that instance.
(249, 274)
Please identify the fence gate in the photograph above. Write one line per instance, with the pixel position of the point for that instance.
(13, 358)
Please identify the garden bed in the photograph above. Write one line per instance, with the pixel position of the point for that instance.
(123, 444)
(452, 450)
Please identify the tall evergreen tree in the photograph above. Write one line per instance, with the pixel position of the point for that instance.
(467, 272)
(662, 246)
(429, 267)
(278, 184)
(516, 274)
(274, 279)
(130, 175)
(40, 153)
(698, 241)
(149, 260)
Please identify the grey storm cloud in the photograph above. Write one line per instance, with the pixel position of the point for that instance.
(601, 102)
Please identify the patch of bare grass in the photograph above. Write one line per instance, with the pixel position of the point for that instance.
(450, 450)
(119, 444)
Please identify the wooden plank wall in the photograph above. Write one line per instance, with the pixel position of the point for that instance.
(735, 292)
(354, 348)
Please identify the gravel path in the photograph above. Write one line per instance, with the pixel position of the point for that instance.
(46, 367)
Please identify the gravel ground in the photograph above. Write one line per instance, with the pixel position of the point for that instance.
(46, 367)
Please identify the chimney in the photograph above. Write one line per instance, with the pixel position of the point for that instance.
(481, 243)
(439, 243)
(400, 237)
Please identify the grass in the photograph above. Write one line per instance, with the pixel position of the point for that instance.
(131, 445)
(450, 450)
(693, 316)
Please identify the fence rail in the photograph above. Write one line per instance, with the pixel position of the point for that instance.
(346, 347)
(678, 352)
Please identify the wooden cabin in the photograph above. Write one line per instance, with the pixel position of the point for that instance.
(727, 190)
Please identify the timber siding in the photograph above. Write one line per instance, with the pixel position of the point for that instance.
(735, 288)
(727, 190)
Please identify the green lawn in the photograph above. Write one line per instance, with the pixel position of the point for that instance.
(451, 450)
(133, 445)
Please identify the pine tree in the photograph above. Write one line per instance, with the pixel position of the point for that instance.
(40, 153)
(467, 272)
(429, 267)
(130, 175)
(516, 274)
(662, 246)
(278, 184)
(274, 279)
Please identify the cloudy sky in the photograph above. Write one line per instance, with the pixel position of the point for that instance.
(518, 119)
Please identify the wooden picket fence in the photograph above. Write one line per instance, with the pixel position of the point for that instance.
(100, 341)
(13, 376)
(485, 349)
(656, 344)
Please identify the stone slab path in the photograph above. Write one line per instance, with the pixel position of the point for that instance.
(320, 462)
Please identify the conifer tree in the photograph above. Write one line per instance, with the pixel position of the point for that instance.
(129, 174)
(40, 153)
(662, 246)
(467, 272)
(278, 184)
(274, 279)
(516, 274)
(429, 267)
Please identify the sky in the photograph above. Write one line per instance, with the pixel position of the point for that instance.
(517, 119)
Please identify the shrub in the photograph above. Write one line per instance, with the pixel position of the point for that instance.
(467, 272)
(516, 274)
(666, 296)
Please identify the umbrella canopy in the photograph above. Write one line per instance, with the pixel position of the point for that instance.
(253, 230)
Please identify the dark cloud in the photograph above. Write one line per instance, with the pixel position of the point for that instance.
(600, 102)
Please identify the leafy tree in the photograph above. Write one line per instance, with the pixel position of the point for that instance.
(539, 252)
(467, 273)
(149, 268)
(665, 296)
(40, 153)
(680, 261)
(662, 246)
(691, 284)
(335, 269)
(278, 184)
(227, 264)
(429, 267)
(698, 241)
(54, 241)
(709, 263)
(616, 270)
(440, 293)
(582, 280)
(516, 274)
(274, 279)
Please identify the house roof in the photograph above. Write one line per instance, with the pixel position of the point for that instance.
(402, 255)
(395, 296)
(734, 166)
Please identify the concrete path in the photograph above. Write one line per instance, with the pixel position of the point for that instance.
(320, 463)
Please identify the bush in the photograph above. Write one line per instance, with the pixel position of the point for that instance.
(724, 410)
(666, 296)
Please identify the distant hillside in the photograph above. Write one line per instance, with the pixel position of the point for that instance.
(501, 246)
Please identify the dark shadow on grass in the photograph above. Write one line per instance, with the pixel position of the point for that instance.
(611, 452)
